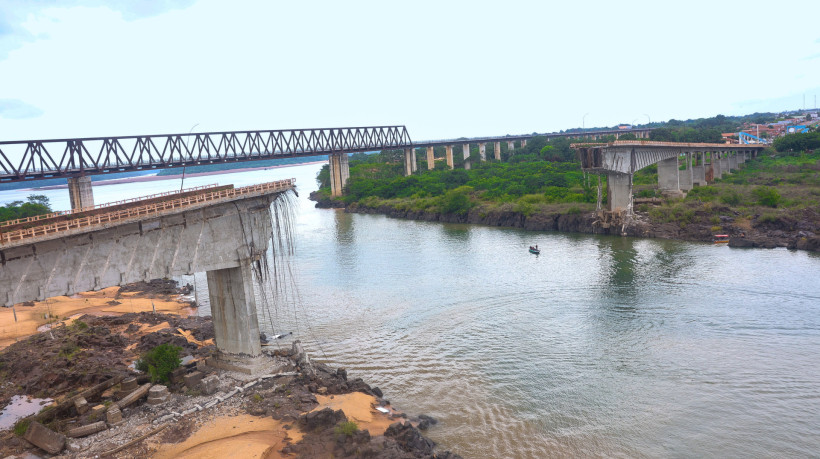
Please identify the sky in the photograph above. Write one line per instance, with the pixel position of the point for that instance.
(444, 69)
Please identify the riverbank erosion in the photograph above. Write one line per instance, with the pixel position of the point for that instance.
(103, 407)
(795, 231)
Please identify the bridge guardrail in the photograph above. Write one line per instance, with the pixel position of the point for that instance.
(100, 206)
(145, 210)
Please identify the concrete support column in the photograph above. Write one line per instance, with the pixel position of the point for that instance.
(482, 151)
(408, 161)
(741, 157)
(619, 192)
(431, 158)
(668, 177)
(497, 151)
(465, 148)
(449, 155)
(339, 172)
(523, 143)
(699, 171)
(715, 163)
(510, 147)
(686, 178)
(233, 308)
(733, 161)
(79, 191)
(724, 163)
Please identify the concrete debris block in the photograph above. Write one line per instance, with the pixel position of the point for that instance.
(97, 411)
(129, 385)
(192, 380)
(134, 396)
(177, 375)
(44, 438)
(113, 416)
(322, 391)
(211, 403)
(86, 430)
(250, 384)
(238, 389)
(209, 385)
(158, 394)
(81, 405)
(188, 411)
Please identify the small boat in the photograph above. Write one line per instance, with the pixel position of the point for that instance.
(721, 238)
(535, 250)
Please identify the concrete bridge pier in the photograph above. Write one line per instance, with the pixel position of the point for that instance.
(741, 156)
(448, 153)
(733, 161)
(523, 143)
(724, 163)
(714, 161)
(668, 177)
(510, 146)
(409, 161)
(686, 177)
(619, 192)
(699, 170)
(482, 151)
(497, 151)
(431, 158)
(233, 307)
(465, 148)
(339, 172)
(80, 193)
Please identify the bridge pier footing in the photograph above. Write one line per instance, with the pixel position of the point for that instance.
(80, 192)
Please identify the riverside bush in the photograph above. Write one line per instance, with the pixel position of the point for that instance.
(767, 196)
(160, 361)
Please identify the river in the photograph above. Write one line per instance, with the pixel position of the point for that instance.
(600, 346)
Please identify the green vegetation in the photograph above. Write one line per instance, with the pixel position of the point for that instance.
(798, 142)
(36, 204)
(21, 426)
(347, 428)
(160, 361)
(707, 130)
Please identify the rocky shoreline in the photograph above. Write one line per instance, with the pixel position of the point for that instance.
(799, 234)
(104, 408)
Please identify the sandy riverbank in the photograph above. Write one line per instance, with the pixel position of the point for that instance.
(37, 315)
(298, 409)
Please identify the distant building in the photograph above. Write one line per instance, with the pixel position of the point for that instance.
(624, 126)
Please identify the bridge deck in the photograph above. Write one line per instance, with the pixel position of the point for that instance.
(121, 216)
(652, 143)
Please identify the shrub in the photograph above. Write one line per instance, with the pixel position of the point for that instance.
(160, 361)
(767, 196)
(731, 197)
(346, 428)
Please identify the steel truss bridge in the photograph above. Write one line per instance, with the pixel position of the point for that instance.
(100, 155)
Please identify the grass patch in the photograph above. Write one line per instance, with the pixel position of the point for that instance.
(346, 428)
(21, 426)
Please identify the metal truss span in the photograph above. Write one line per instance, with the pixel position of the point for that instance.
(37, 159)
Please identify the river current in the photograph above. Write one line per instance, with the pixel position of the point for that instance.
(600, 346)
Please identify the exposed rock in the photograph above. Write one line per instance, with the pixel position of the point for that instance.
(209, 385)
(322, 418)
(409, 438)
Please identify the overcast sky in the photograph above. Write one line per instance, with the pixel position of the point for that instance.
(444, 69)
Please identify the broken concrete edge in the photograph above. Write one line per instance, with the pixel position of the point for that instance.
(44, 438)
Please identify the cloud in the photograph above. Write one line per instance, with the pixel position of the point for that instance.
(13, 13)
(15, 109)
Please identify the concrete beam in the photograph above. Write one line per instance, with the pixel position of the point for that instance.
(80, 193)
(448, 153)
(212, 237)
(431, 158)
